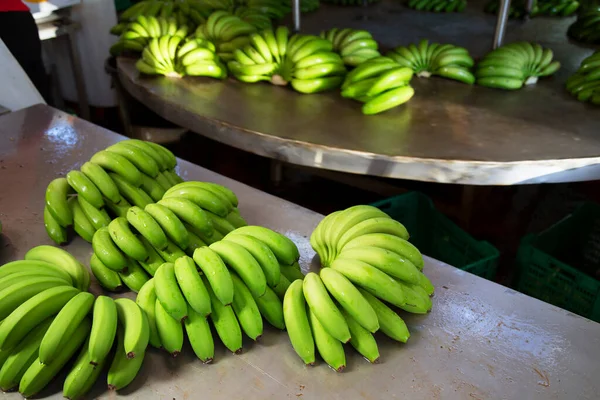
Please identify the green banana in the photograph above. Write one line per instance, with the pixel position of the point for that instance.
(135, 326)
(390, 323)
(99, 218)
(169, 330)
(146, 299)
(201, 340)
(330, 349)
(104, 330)
(191, 285)
(56, 201)
(296, 321)
(123, 369)
(169, 292)
(246, 309)
(119, 165)
(147, 227)
(54, 230)
(134, 276)
(239, 259)
(83, 375)
(170, 224)
(190, 213)
(56, 256)
(85, 188)
(362, 340)
(284, 249)
(126, 240)
(225, 323)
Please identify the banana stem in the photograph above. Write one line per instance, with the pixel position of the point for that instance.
(532, 80)
(173, 74)
(424, 74)
(278, 80)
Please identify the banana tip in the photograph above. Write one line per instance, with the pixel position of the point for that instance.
(208, 361)
(131, 354)
(112, 387)
(238, 351)
(175, 354)
(184, 318)
(340, 368)
(94, 363)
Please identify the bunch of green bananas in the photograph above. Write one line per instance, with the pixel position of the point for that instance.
(233, 282)
(585, 83)
(195, 57)
(139, 32)
(380, 83)
(349, 2)
(587, 27)
(426, 59)
(226, 31)
(367, 261)
(133, 246)
(128, 172)
(353, 45)
(252, 16)
(438, 5)
(306, 61)
(555, 8)
(44, 307)
(515, 64)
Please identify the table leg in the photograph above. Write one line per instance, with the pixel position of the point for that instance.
(84, 107)
(500, 30)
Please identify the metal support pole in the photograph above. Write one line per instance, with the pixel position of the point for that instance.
(501, 23)
(296, 15)
(84, 107)
(529, 7)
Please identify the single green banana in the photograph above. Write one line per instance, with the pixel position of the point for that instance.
(190, 213)
(387, 261)
(325, 309)
(104, 330)
(330, 349)
(98, 217)
(296, 321)
(134, 276)
(56, 201)
(348, 296)
(152, 188)
(169, 330)
(36, 267)
(387, 100)
(242, 261)
(390, 322)
(13, 296)
(123, 369)
(146, 299)
(135, 327)
(391, 243)
(284, 249)
(106, 250)
(119, 165)
(85, 188)
(54, 230)
(132, 194)
(191, 285)
(246, 309)
(83, 374)
(200, 336)
(203, 198)
(170, 224)
(261, 253)
(145, 224)
(225, 323)
(362, 340)
(373, 280)
(216, 273)
(169, 292)
(373, 225)
(126, 240)
(83, 226)
(63, 326)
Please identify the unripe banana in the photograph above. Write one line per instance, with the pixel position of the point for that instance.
(239, 259)
(200, 336)
(225, 322)
(106, 250)
(373, 225)
(296, 321)
(63, 326)
(123, 369)
(387, 261)
(124, 238)
(372, 279)
(246, 309)
(325, 309)
(98, 218)
(107, 278)
(85, 188)
(134, 276)
(147, 227)
(284, 249)
(135, 327)
(104, 330)
(350, 298)
(13, 296)
(391, 243)
(291, 273)
(119, 165)
(192, 286)
(170, 224)
(83, 375)
(190, 213)
(169, 330)
(389, 322)
(362, 340)
(261, 253)
(146, 299)
(54, 230)
(83, 226)
(35, 266)
(203, 198)
(131, 193)
(56, 201)
(216, 272)
(330, 349)
(136, 156)
(169, 293)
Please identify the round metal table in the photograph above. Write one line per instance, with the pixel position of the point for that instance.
(449, 132)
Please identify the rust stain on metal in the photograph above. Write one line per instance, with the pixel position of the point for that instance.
(545, 382)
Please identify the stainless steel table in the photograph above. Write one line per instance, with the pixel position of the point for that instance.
(481, 341)
(449, 132)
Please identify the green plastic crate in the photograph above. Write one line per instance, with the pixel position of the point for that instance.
(438, 237)
(559, 265)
